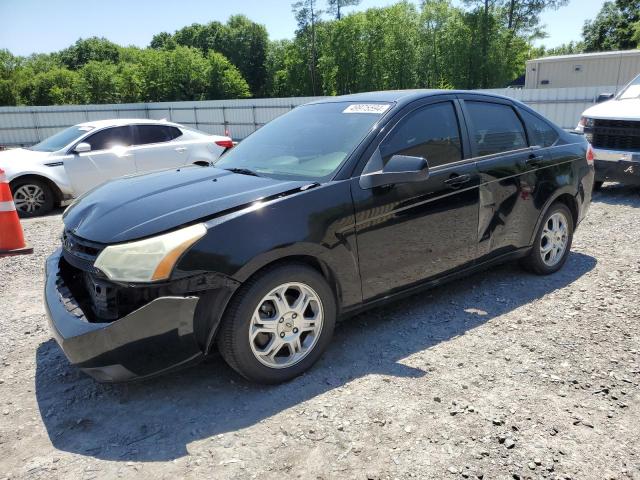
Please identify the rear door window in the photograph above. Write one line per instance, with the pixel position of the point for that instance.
(431, 132)
(147, 134)
(541, 134)
(110, 137)
(495, 128)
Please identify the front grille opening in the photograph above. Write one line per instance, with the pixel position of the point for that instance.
(616, 134)
(102, 301)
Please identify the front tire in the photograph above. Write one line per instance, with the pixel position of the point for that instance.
(278, 324)
(32, 198)
(552, 242)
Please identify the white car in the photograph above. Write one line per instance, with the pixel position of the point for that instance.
(613, 129)
(81, 157)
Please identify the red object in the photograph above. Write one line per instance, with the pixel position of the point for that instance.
(225, 143)
(590, 155)
(11, 235)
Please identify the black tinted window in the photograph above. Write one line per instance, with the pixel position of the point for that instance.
(431, 132)
(496, 128)
(155, 134)
(540, 132)
(110, 137)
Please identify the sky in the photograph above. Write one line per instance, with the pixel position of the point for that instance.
(43, 26)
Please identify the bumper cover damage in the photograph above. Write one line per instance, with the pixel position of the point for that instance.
(156, 337)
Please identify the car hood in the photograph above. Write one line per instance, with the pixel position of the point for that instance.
(628, 109)
(143, 205)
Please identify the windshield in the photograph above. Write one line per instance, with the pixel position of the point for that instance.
(632, 90)
(310, 142)
(60, 139)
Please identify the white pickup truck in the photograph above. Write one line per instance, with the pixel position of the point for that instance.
(613, 129)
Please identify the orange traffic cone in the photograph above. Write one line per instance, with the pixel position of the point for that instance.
(11, 236)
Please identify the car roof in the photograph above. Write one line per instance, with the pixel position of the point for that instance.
(403, 96)
(117, 122)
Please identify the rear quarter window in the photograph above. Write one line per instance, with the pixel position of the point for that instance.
(147, 134)
(541, 133)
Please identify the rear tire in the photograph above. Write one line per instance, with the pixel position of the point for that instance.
(552, 243)
(278, 324)
(32, 198)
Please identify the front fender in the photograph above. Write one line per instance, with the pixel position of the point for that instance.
(317, 223)
(57, 175)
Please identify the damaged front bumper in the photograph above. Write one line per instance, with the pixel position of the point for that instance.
(152, 339)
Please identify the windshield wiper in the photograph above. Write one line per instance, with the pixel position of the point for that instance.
(243, 171)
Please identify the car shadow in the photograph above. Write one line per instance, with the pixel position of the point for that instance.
(618, 194)
(156, 419)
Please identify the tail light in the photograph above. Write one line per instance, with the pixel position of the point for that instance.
(224, 143)
(590, 155)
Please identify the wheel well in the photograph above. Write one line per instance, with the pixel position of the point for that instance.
(571, 204)
(57, 193)
(307, 260)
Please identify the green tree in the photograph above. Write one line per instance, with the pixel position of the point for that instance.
(57, 86)
(335, 6)
(129, 82)
(173, 75)
(308, 15)
(245, 44)
(99, 82)
(570, 48)
(613, 28)
(224, 79)
(163, 41)
(85, 50)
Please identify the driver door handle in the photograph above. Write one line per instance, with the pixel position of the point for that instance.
(181, 149)
(534, 159)
(457, 180)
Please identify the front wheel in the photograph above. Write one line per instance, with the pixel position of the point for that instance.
(553, 241)
(278, 324)
(32, 198)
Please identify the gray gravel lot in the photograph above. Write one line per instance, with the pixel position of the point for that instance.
(501, 375)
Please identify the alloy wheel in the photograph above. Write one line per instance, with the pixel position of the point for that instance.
(29, 198)
(554, 239)
(286, 325)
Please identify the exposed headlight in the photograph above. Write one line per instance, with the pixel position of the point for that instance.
(585, 122)
(148, 260)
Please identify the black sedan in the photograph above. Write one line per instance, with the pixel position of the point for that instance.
(334, 207)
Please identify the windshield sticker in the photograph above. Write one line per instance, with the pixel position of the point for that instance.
(377, 108)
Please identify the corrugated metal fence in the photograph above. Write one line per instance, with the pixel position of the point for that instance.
(29, 125)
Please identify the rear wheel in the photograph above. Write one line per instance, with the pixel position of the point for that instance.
(32, 198)
(553, 241)
(278, 324)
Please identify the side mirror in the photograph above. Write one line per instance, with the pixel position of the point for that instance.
(603, 97)
(399, 169)
(82, 147)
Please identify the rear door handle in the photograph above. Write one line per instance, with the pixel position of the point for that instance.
(181, 149)
(534, 159)
(457, 180)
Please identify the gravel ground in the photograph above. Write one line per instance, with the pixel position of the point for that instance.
(502, 375)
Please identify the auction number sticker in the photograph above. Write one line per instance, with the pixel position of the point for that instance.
(376, 108)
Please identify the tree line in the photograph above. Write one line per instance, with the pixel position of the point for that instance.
(437, 44)
(615, 27)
